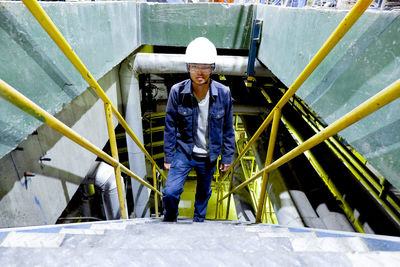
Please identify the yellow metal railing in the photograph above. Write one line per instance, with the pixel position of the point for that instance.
(356, 167)
(387, 95)
(14, 97)
(383, 98)
(249, 168)
(274, 115)
(21, 101)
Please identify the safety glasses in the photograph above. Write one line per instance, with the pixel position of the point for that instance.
(204, 68)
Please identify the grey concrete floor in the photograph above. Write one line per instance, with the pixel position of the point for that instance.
(145, 242)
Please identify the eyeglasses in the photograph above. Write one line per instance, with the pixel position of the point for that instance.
(205, 68)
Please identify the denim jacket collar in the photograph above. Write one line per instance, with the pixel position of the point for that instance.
(188, 89)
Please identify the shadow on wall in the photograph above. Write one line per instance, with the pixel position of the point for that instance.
(244, 42)
(17, 33)
(30, 155)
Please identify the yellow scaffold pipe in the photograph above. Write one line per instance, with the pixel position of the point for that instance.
(114, 154)
(155, 185)
(48, 25)
(264, 125)
(387, 95)
(344, 26)
(11, 95)
(268, 160)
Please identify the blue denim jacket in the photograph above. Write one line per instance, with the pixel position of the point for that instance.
(181, 122)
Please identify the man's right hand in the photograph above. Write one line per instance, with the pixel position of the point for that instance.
(167, 166)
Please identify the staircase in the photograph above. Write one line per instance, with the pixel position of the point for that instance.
(149, 241)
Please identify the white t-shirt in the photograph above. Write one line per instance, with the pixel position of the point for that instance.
(201, 139)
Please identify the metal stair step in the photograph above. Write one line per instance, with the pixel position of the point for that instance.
(197, 257)
(149, 241)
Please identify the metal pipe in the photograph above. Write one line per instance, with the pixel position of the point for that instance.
(384, 97)
(114, 153)
(103, 177)
(229, 198)
(155, 195)
(11, 95)
(175, 63)
(268, 160)
(218, 189)
(130, 94)
(48, 25)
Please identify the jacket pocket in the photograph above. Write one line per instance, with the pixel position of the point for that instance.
(185, 121)
(218, 114)
(216, 125)
(184, 111)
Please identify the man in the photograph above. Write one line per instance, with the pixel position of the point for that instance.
(198, 128)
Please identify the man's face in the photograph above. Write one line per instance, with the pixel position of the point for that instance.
(200, 73)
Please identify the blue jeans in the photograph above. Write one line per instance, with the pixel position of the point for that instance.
(180, 168)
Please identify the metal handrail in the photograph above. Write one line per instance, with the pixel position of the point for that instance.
(344, 26)
(52, 30)
(48, 25)
(384, 97)
(335, 37)
(11, 95)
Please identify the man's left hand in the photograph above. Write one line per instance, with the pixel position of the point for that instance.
(223, 168)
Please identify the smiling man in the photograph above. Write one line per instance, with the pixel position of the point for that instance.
(198, 128)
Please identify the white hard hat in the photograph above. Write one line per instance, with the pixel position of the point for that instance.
(201, 51)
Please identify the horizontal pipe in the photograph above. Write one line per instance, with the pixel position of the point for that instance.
(11, 95)
(374, 103)
(175, 63)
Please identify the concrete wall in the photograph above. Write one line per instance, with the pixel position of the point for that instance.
(102, 34)
(41, 199)
(364, 62)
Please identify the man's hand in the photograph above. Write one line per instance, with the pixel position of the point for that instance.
(167, 166)
(223, 168)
